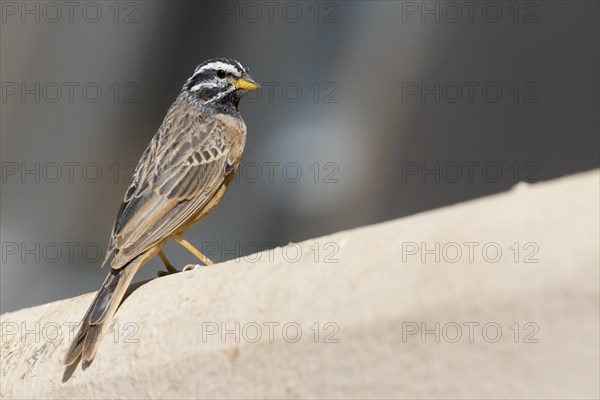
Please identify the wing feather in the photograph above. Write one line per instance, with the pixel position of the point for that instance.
(173, 182)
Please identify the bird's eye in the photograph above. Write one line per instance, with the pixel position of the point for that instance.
(221, 74)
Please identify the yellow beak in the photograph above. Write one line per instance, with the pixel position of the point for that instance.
(246, 83)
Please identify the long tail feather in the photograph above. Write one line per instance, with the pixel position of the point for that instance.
(97, 319)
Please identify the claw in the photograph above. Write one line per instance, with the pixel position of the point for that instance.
(191, 267)
(168, 272)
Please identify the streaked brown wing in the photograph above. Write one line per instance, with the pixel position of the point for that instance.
(176, 177)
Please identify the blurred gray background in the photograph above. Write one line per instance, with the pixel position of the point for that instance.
(385, 108)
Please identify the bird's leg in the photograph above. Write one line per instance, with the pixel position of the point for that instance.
(170, 268)
(205, 260)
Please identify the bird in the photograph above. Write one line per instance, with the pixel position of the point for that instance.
(180, 178)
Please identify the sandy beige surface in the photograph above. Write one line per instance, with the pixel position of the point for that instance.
(492, 298)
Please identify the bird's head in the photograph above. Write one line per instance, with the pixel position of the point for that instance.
(220, 83)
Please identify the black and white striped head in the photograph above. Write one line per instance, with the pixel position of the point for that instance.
(220, 82)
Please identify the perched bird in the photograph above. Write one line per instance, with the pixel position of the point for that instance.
(182, 175)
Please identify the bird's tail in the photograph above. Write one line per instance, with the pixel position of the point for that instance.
(99, 315)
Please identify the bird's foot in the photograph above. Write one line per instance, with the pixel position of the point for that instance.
(191, 267)
(169, 271)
